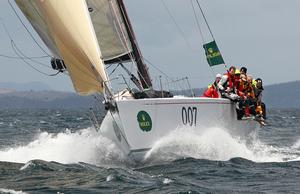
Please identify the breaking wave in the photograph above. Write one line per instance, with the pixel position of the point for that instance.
(88, 146)
(216, 144)
(10, 191)
(85, 145)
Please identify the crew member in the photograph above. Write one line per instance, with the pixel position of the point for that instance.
(250, 97)
(260, 106)
(243, 70)
(212, 90)
(226, 85)
(241, 91)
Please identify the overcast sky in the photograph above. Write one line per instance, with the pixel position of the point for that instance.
(263, 35)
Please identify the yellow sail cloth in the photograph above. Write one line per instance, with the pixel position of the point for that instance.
(70, 26)
(31, 11)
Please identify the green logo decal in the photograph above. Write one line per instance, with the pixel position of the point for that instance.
(144, 121)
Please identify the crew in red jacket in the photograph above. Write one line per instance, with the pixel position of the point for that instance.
(212, 90)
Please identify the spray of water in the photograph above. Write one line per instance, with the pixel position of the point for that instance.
(297, 145)
(82, 146)
(10, 191)
(213, 144)
(90, 147)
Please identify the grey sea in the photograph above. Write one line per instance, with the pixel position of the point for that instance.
(58, 151)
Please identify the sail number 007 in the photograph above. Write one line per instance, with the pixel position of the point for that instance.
(189, 116)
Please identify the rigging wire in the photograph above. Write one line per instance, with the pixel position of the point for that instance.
(203, 15)
(209, 29)
(16, 57)
(114, 69)
(21, 55)
(14, 48)
(157, 68)
(28, 31)
(134, 64)
(201, 34)
(197, 22)
(177, 25)
(24, 57)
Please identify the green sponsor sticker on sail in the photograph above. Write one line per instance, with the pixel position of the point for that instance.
(144, 121)
(213, 54)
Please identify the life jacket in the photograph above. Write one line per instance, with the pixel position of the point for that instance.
(211, 92)
(230, 81)
(241, 88)
(249, 91)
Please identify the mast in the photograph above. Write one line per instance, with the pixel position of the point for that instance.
(142, 67)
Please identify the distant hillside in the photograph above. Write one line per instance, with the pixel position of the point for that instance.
(44, 99)
(283, 95)
(5, 91)
(35, 86)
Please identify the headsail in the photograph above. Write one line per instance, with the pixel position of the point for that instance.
(86, 34)
(70, 27)
(32, 12)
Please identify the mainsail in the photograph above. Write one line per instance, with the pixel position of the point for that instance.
(110, 30)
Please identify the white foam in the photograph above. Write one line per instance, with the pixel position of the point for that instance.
(109, 178)
(212, 144)
(83, 146)
(167, 181)
(10, 191)
(89, 146)
(27, 165)
(297, 145)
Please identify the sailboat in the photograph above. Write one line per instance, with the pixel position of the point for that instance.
(84, 37)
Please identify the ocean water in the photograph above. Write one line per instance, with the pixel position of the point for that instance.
(57, 151)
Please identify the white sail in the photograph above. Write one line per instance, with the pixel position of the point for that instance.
(70, 27)
(33, 14)
(110, 29)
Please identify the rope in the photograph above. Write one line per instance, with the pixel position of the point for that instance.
(14, 48)
(157, 68)
(14, 10)
(202, 36)
(22, 56)
(124, 37)
(203, 15)
(199, 28)
(176, 24)
(16, 57)
(114, 70)
(197, 22)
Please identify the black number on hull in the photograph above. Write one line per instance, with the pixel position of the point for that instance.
(184, 115)
(189, 116)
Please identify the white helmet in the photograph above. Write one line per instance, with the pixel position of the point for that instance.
(218, 75)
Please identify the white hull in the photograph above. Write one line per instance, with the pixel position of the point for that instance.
(132, 130)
